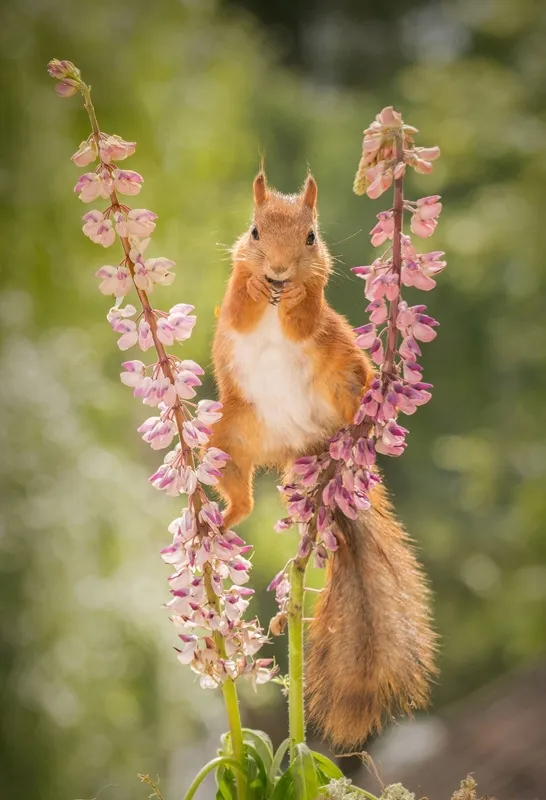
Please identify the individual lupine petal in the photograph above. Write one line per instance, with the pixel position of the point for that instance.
(340, 445)
(429, 207)
(139, 222)
(211, 516)
(129, 332)
(67, 88)
(145, 338)
(428, 153)
(422, 227)
(424, 393)
(362, 272)
(389, 406)
(383, 286)
(195, 433)
(300, 507)
(283, 524)
(238, 570)
(345, 502)
(378, 311)
(392, 441)
(98, 229)
(134, 372)
(321, 557)
(183, 527)
(189, 646)
(115, 280)
(399, 170)
(308, 469)
(183, 323)
(158, 270)
(366, 335)
(377, 352)
(364, 452)
(120, 224)
(305, 546)
(141, 277)
(114, 148)
(208, 474)
(380, 184)
(88, 187)
(384, 229)
(258, 672)
(127, 181)
(209, 411)
(165, 331)
(184, 382)
(329, 540)
(414, 275)
(86, 153)
(192, 366)
(412, 371)
(217, 457)
(423, 326)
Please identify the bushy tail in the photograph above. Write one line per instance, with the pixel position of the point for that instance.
(371, 647)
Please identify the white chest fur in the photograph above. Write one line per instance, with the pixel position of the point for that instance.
(275, 375)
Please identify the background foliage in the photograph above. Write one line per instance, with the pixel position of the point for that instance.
(90, 691)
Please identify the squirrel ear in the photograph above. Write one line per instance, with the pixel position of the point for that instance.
(310, 192)
(260, 188)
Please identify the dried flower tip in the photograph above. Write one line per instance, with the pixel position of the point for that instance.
(396, 792)
(60, 70)
(467, 790)
(278, 623)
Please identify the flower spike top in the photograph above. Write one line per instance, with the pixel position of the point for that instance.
(210, 564)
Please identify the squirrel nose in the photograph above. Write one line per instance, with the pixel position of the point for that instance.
(278, 270)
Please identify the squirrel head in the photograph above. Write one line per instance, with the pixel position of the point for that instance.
(283, 242)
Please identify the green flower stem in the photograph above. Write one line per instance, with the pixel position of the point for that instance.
(296, 710)
(202, 774)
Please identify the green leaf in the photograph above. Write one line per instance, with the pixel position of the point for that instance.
(285, 790)
(262, 744)
(305, 774)
(326, 769)
(258, 775)
(277, 761)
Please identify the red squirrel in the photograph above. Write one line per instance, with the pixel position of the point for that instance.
(289, 376)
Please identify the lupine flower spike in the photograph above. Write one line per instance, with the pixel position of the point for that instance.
(341, 478)
(210, 565)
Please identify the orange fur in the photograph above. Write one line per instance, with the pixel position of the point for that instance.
(371, 645)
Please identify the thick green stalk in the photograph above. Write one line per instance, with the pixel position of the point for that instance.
(296, 710)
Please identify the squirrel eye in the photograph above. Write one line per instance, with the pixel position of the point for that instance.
(310, 238)
(254, 233)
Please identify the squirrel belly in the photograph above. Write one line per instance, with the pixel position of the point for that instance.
(275, 375)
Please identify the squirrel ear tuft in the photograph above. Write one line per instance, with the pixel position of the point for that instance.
(310, 192)
(260, 188)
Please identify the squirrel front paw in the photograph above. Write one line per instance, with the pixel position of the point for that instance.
(292, 296)
(258, 288)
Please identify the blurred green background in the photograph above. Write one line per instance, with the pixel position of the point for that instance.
(90, 690)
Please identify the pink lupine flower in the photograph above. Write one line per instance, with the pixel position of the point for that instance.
(114, 148)
(138, 222)
(377, 352)
(63, 69)
(209, 411)
(158, 432)
(92, 185)
(413, 372)
(115, 280)
(378, 311)
(142, 279)
(127, 181)
(134, 373)
(98, 229)
(425, 217)
(67, 88)
(381, 181)
(182, 321)
(187, 652)
(165, 331)
(384, 228)
(86, 153)
(145, 338)
(159, 270)
(392, 441)
(366, 335)
(184, 382)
